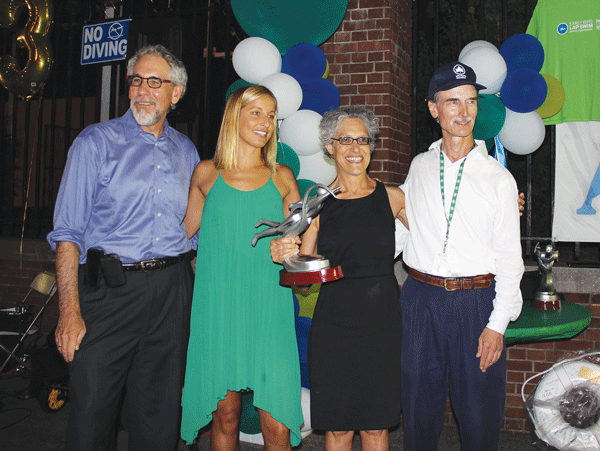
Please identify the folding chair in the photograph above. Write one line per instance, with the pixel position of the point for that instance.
(44, 283)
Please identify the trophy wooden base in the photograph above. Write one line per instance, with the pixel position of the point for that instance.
(287, 278)
(546, 305)
(551, 303)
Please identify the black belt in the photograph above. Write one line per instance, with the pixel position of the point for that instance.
(154, 263)
(453, 283)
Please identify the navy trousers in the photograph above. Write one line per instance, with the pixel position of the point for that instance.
(136, 339)
(440, 332)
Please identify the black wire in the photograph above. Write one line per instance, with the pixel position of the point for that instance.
(19, 420)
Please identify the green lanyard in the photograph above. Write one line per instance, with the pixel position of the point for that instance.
(453, 204)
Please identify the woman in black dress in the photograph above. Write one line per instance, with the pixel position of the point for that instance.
(355, 337)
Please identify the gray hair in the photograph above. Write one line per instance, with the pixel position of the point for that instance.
(177, 71)
(332, 120)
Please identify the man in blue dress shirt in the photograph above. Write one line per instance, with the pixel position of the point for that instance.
(124, 279)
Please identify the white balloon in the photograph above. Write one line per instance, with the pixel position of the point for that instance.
(255, 58)
(489, 66)
(306, 428)
(522, 133)
(287, 91)
(300, 131)
(252, 438)
(318, 168)
(473, 44)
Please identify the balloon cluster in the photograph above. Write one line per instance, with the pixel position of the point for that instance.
(34, 36)
(517, 97)
(298, 81)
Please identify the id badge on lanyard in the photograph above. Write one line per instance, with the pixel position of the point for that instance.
(440, 262)
(441, 265)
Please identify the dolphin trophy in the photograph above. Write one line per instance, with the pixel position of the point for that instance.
(302, 269)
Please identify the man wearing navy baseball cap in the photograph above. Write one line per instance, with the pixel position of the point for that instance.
(464, 259)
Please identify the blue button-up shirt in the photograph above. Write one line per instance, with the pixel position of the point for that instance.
(125, 191)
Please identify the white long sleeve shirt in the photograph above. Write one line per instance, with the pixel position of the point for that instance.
(484, 232)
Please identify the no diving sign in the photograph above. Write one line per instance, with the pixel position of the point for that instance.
(104, 42)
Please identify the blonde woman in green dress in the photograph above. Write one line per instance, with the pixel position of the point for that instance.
(242, 329)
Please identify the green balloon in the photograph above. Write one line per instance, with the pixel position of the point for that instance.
(286, 155)
(303, 185)
(287, 23)
(235, 85)
(491, 114)
(249, 420)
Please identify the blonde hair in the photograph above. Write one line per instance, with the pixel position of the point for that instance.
(226, 153)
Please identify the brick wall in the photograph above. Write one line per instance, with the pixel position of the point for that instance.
(370, 63)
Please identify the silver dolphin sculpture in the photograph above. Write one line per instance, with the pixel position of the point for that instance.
(302, 213)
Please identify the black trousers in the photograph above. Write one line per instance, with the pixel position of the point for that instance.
(136, 339)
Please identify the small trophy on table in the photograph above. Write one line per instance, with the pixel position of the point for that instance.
(546, 297)
(302, 269)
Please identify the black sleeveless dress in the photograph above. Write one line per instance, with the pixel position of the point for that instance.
(355, 338)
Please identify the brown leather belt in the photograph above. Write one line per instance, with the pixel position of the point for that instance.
(453, 283)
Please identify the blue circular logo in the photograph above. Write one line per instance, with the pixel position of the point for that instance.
(115, 31)
(458, 69)
(562, 28)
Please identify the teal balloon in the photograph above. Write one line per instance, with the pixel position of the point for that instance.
(491, 113)
(249, 420)
(287, 23)
(304, 184)
(235, 85)
(286, 155)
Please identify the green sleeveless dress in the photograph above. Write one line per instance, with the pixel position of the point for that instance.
(242, 327)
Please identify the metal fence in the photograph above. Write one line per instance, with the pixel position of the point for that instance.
(36, 134)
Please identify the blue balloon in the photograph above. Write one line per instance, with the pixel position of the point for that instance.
(305, 62)
(320, 95)
(302, 332)
(304, 375)
(523, 91)
(522, 51)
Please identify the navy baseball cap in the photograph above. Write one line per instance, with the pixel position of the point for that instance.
(452, 75)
